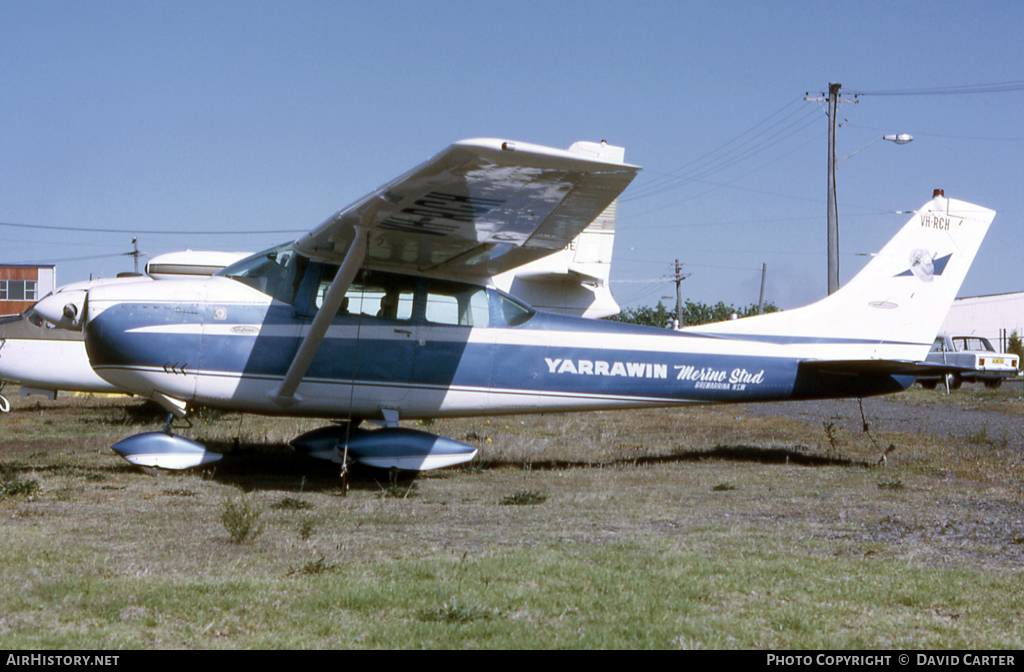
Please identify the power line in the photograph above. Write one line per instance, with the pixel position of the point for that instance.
(700, 168)
(162, 233)
(997, 87)
(677, 179)
(731, 182)
(89, 258)
(749, 130)
(698, 174)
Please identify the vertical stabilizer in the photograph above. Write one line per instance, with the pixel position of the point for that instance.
(894, 307)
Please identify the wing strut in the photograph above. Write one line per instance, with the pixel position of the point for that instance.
(284, 394)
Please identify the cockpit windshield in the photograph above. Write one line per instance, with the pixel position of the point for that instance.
(276, 272)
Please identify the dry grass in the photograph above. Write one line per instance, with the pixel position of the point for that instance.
(687, 528)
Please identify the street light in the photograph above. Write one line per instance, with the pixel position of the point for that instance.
(833, 215)
(898, 138)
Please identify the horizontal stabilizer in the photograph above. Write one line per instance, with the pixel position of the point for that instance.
(880, 367)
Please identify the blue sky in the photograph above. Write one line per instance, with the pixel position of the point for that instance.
(249, 119)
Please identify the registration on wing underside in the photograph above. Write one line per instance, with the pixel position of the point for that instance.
(479, 208)
(439, 214)
(485, 203)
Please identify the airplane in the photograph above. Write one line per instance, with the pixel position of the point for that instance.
(45, 358)
(384, 312)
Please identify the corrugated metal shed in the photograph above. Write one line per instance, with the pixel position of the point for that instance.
(994, 316)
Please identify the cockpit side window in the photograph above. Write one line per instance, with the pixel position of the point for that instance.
(276, 272)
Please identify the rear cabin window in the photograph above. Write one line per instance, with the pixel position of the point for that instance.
(515, 313)
(457, 304)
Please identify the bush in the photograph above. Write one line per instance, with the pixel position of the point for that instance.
(241, 517)
(1016, 346)
(11, 484)
(524, 499)
(694, 313)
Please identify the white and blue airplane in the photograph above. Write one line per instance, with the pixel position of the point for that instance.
(45, 358)
(386, 312)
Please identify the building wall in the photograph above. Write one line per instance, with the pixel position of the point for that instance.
(995, 317)
(14, 280)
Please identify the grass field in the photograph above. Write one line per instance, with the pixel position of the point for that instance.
(674, 528)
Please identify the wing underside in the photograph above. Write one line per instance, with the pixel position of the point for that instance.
(478, 208)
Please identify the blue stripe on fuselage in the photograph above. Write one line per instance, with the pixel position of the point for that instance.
(420, 354)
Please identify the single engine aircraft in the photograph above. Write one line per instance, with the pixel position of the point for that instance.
(45, 357)
(385, 312)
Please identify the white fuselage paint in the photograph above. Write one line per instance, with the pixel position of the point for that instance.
(50, 365)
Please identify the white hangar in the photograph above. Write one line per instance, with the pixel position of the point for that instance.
(994, 317)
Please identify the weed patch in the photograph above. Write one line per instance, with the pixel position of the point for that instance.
(291, 504)
(395, 490)
(315, 567)
(891, 485)
(180, 492)
(241, 516)
(455, 612)
(524, 499)
(13, 485)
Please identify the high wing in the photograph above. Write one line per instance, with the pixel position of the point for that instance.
(478, 208)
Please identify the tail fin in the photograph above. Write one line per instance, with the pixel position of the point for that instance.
(573, 281)
(894, 307)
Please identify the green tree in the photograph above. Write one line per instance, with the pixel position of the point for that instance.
(693, 313)
(1016, 346)
(658, 316)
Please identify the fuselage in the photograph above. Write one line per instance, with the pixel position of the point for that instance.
(421, 347)
(42, 358)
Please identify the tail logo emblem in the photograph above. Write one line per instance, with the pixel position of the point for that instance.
(925, 266)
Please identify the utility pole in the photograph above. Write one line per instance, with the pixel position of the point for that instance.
(833, 216)
(679, 277)
(133, 253)
(760, 302)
